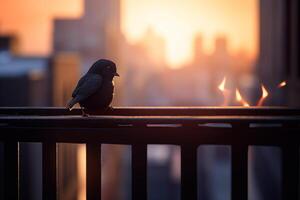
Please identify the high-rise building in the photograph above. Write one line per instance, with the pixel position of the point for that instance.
(273, 36)
(221, 46)
(279, 49)
(23, 80)
(198, 49)
(95, 35)
(220, 58)
(64, 74)
(278, 61)
(155, 47)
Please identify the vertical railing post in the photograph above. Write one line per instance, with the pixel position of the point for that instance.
(139, 171)
(49, 171)
(93, 171)
(239, 172)
(290, 172)
(11, 170)
(188, 172)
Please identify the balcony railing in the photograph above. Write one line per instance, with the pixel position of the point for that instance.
(188, 127)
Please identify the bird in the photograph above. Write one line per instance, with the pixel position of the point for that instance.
(95, 90)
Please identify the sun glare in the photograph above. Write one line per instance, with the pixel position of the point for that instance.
(222, 85)
(179, 21)
(176, 21)
(240, 99)
(282, 84)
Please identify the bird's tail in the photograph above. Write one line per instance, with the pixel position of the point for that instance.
(71, 103)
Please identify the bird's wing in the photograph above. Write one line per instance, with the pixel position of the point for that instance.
(87, 86)
(79, 84)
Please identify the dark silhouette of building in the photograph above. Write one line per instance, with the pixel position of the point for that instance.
(22, 79)
(9, 43)
(95, 35)
(278, 61)
(279, 49)
(65, 72)
(199, 56)
(35, 81)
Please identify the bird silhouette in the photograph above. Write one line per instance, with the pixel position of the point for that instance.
(95, 90)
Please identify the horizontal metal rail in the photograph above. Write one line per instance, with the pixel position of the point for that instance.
(187, 127)
(155, 111)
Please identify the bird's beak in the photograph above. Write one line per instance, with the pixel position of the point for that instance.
(116, 74)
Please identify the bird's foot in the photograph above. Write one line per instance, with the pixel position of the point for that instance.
(110, 108)
(84, 114)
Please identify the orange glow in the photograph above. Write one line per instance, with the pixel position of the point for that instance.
(179, 21)
(264, 95)
(32, 20)
(238, 95)
(264, 92)
(240, 99)
(81, 167)
(282, 84)
(176, 21)
(224, 91)
(222, 85)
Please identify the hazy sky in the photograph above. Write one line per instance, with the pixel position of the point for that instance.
(31, 21)
(175, 20)
(178, 21)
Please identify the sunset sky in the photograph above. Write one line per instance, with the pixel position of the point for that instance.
(177, 21)
(31, 21)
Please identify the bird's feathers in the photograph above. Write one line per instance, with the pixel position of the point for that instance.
(71, 103)
(87, 85)
(79, 84)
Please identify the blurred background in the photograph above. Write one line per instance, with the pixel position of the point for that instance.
(168, 53)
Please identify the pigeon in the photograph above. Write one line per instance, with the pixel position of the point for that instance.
(95, 90)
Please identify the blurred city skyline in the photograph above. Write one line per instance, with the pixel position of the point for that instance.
(177, 23)
(168, 53)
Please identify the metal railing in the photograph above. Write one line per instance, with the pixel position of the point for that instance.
(188, 127)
